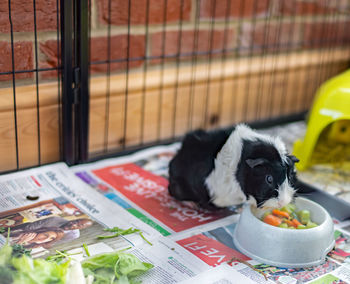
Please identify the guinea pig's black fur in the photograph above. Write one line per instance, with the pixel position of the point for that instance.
(221, 168)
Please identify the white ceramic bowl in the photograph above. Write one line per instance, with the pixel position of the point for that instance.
(285, 247)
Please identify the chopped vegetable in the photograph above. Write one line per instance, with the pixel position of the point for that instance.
(118, 232)
(311, 225)
(272, 220)
(296, 223)
(289, 223)
(86, 250)
(265, 214)
(283, 225)
(289, 208)
(143, 237)
(280, 213)
(122, 232)
(304, 216)
(61, 256)
(289, 217)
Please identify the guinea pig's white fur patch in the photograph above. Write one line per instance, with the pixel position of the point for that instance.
(224, 189)
(285, 196)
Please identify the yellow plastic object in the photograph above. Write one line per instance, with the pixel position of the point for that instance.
(331, 106)
(340, 132)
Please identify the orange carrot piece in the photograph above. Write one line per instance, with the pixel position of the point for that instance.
(280, 213)
(289, 223)
(296, 223)
(272, 220)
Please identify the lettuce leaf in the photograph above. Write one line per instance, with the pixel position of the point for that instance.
(38, 271)
(107, 260)
(25, 269)
(130, 265)
(5, 254)
(6, 273)
(115, 267)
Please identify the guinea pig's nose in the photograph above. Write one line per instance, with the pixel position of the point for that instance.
(281, 203)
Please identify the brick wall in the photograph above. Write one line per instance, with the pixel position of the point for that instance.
(240, 28)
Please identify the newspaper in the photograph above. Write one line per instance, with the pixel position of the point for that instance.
(72, 206)
(138, 183)
(64, 209)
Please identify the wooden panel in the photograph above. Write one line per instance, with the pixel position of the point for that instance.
(28, 138)
(27, 115)
(270, 95)
(245, 89)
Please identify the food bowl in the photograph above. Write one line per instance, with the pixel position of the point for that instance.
(285, 247)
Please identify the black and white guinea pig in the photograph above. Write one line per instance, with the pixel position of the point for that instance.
(221, 168)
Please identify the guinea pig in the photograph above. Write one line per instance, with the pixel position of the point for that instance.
(221, 169)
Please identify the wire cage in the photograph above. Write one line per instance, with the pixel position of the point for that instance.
(81, 80)
(31, 127)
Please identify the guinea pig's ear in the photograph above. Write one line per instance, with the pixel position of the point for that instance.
(293, 158)
(255, 162)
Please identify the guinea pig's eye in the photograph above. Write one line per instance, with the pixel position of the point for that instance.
(269, 179)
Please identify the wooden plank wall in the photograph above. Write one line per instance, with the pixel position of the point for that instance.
(275, 85)
(184, 106)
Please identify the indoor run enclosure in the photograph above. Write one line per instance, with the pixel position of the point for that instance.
(82, 80)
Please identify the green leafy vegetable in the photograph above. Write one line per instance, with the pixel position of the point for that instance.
(5, 275)
(114, 267)
(118, 232)
(2, 230)
(142, 236)
(25, 269)
(5, 254)
(61, 256)
(38, 270)
(6, 251)
(17, 266)
(131, 266)
(18, 250)
(86, 249)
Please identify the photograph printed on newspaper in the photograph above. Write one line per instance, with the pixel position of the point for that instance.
(52, 225)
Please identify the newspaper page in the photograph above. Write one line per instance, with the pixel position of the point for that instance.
(72, 206)
(139, 183)
(222, 274)
(172, 263)
(49, 209)
(216, 248)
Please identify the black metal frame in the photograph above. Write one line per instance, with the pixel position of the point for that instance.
(75, 80)
(67, 81)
